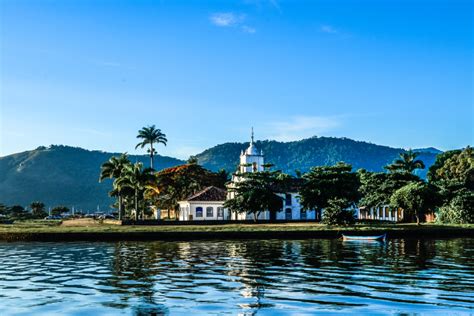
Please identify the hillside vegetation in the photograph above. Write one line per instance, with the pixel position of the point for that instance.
(63, 175)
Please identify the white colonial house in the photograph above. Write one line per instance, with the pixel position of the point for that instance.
(209, 203)
(205, 205)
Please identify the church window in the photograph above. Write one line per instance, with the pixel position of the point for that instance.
(198, 211)
(287, 199)
(209, 211)
(303, 214)
(288, 214)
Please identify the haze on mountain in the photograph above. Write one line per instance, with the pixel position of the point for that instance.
(63, 175)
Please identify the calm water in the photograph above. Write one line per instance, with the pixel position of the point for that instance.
(273, 277)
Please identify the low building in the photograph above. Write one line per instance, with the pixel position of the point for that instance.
(381, 213)
(207, 204)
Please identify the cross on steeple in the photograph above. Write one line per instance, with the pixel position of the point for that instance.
(252, 136)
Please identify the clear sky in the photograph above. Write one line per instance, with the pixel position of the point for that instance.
(91, 73)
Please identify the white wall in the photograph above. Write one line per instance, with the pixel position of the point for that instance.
(189, 208)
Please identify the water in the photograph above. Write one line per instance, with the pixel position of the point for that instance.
(275, 277)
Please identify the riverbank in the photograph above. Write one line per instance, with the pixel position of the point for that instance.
(54, 231)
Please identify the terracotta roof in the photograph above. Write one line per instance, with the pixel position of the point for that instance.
(209, 194)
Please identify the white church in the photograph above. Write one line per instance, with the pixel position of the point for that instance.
(208, 204)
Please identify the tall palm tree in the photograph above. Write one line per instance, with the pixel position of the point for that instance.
(151, 135)
(137, 179)
(112, 169)
(406, 162)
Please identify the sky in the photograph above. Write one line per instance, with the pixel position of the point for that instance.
(92, 73)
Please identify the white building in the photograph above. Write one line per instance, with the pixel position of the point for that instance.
(205, 205)
(209, 203)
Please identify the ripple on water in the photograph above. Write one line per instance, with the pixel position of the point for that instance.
(237, 277)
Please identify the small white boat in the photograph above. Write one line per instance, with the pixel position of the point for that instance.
(362, 238)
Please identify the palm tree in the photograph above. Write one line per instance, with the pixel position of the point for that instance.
(137, 179)
(151, 135)
(112, 169)
(406, 162)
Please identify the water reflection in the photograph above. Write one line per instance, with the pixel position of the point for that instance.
(237, 277)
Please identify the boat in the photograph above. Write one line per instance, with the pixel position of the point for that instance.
(365, 238)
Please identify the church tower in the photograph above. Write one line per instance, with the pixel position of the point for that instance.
(251, 160)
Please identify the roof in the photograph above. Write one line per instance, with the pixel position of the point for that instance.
(209, 194)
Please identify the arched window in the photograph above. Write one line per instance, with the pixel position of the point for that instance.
(288, 213)
(287, 199)
(198, 211)
(209, 211)
(220, 212)
(303, 214)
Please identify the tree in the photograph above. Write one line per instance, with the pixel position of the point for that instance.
(112, 169)
(376, 188)
(38, 209)
(325, 183)
(415, 198)
(460, 209)
(58, 210)
(453, 174)
(150, 135)
(453, 171)
(406, 162)
(177, 183)
(256, 192)
(338, 212)
(135, 178)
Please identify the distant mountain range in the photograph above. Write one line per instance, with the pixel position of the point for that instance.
(63, 175)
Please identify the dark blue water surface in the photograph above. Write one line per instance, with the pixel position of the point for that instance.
(274, 277)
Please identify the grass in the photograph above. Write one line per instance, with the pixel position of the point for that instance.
(41, 226)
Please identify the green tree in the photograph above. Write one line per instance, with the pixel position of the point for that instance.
(112, 169)
(177, 183)
(256, 192)
(325, 183)
(453, 171)
(58, 210)
(137, 179)
(38, 209)
(406, 162)
(338, 212)
(151, 135)
(416, 198)
(376, 188)
(460, 209)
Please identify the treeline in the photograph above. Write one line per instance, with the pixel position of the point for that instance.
(449, 189)
(337, 189)
(36, 210)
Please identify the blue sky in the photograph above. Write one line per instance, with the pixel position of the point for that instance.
(91, 73)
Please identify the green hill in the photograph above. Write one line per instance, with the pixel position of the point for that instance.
(63, 175)
(304, 154)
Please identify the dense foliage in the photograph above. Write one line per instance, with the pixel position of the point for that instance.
(338, 212)
(416, 198)
(453, 174)
(256, 192)
(326, 183)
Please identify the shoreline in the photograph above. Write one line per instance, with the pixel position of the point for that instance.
(99, 233)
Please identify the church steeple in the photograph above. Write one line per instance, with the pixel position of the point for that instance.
(251, 160)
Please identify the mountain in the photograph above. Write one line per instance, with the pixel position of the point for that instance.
(303, 154)
(63, 175)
